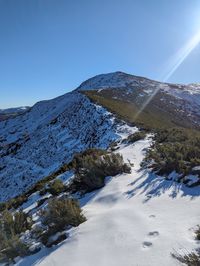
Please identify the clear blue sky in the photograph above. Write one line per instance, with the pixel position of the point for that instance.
(48, 47)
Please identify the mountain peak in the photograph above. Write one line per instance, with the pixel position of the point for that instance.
(109, 80)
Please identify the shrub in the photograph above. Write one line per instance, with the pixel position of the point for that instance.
(59, 214)
(136, 136)
(91, 171)
(174, 150)
(22, 222)
(79, 157)
(197, 232)
(13, 247)
(62, 212)
(14, 224)
(11, 226)
(56, 187)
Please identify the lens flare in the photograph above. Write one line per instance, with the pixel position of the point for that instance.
(174, 64)
(181, 55)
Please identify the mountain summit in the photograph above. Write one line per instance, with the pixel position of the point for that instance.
(111, 80)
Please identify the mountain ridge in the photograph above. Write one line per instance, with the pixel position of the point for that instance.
(38, 141)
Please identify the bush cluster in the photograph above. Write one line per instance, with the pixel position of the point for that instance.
(60, 214)
(91, 170)
(136, 136)
(174, 149)
(11, 226)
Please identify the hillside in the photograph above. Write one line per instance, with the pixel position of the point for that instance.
(136, 219)
(12, 112)
(127, 149)
(149, 103)
(37, 143)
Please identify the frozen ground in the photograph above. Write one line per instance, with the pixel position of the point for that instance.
(137, 219)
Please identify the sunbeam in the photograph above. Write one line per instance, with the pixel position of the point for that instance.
(181, 55)
(175, 63)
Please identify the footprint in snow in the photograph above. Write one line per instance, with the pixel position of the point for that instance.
(152, 216)
(153, 234)
(147, 244)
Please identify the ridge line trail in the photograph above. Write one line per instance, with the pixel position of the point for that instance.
(123, 228)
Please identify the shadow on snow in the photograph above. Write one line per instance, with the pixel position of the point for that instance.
(154, 186)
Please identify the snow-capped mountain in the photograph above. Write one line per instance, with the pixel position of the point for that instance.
(39, 141)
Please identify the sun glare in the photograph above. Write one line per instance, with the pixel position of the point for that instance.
(174, 64)
(181, 55)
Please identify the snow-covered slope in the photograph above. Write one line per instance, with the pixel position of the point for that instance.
(12, 112)
(36, 143)
(136, 219)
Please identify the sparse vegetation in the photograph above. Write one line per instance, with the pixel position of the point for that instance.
(174, 150)
(152, 117)
(39, 186)
(190, 259)
(149, 118)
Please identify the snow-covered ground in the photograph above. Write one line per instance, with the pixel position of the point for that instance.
(137, 219)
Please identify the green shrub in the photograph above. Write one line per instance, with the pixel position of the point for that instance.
(79, 157)
(136, 136)
(56, 187)
(14, 224)
(22, 222)
(174, 150)
(91, 171)
(13, 247)
(11, 226)
(60, 214)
